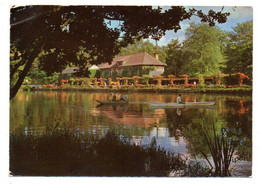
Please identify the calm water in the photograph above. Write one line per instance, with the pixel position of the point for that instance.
(179, 130)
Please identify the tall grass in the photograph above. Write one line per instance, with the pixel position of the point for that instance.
(221, 150)
(71, 153)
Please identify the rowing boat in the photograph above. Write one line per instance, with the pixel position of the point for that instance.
(184, 105)
(110, 102)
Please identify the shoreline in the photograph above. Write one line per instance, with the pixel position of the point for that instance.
(243, 91)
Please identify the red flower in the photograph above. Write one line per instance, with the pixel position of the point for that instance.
(184, 75)
(242, 76)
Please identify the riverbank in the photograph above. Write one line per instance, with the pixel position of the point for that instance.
(239, 90)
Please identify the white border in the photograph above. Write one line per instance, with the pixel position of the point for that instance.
(4, 9)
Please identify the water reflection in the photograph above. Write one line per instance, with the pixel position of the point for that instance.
(177, 129)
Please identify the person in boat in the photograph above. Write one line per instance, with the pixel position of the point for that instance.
(114, 97)
(178, 99)
(124, 98)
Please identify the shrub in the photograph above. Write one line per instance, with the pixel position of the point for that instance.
(145, 79)
(27, 87)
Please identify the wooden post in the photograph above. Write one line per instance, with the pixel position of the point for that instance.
(109, 81)
(186, 81)
(136, 80)
(88, 81)
(77, 81)
(82, 81)
(62, 81)
(171, 79)
(95, 82)
(102, 83)
(241, 78)
(159, 80)
(118, 80)
(126, 82)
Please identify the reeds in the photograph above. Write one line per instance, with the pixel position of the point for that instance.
(221, 149)
(71, 153)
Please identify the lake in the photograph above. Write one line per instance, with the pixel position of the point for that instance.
(178, 130)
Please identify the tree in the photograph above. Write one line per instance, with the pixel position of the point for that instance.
(239, 49)
(138, 46)
(175, 58)
(143, 46)
(55, 34)
(206, 49)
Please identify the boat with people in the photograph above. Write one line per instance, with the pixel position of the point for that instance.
(112, 102)
(182, 105)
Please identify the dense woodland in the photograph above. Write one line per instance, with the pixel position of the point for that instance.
(66, 36)
(206, 50)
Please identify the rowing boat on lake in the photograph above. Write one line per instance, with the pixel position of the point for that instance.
(184, 105)
(110, 102)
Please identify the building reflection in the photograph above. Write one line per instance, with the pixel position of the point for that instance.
(129, 116)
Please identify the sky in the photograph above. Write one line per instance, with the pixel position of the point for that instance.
(238, 14)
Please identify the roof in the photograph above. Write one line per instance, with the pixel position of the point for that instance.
(70, 70)
(139, 59)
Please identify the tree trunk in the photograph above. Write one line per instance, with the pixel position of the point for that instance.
(14, 69)
(16, 87)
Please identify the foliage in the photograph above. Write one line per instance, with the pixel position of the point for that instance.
(51, 79)
(138, 46)
(143, 46)
(201, 80)
(240, 49)
(146, 79)
(71, 153)
(204, 44)
(114, 75)
(27, 87)
(60, 33)
(175, 58)
(92, 73)
(72, 81)
(104, 73)
(38, 77)
(129, 71)
(221, 149)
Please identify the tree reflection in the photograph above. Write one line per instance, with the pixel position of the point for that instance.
(47, 110)
(192, 123)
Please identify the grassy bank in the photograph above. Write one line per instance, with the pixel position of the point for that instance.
(238, 90)
(71, 153)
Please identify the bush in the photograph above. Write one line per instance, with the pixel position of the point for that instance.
(92, 73)
(145, 79)
(27, 87)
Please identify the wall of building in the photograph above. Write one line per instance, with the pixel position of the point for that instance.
(133, 71)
